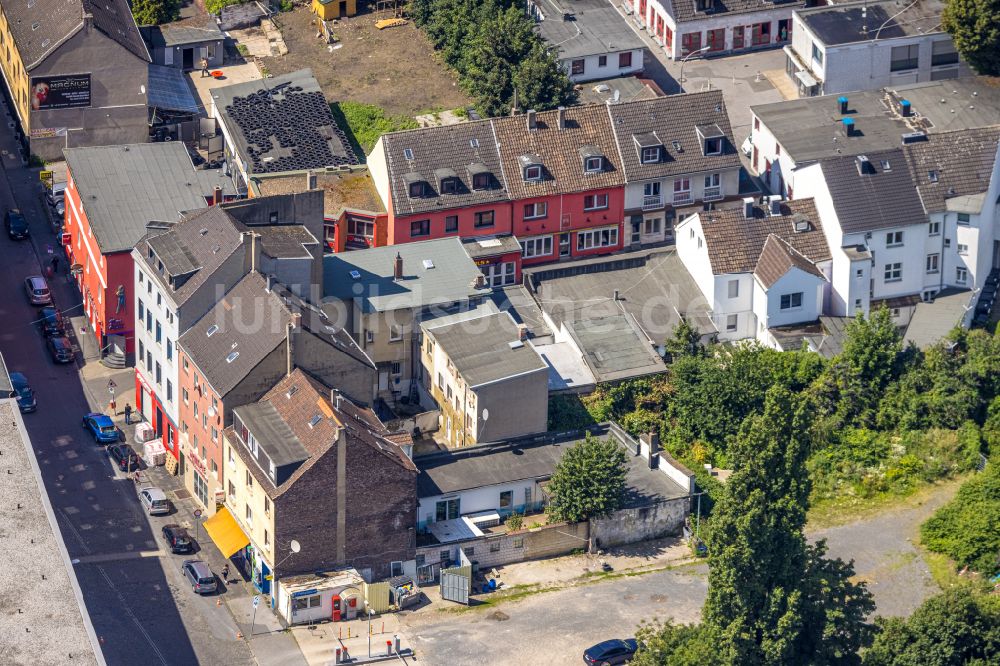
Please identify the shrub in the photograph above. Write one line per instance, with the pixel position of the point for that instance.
(365, 123)
(514, 522)
(967, 529)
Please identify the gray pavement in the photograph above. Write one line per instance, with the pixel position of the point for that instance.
(142, 610)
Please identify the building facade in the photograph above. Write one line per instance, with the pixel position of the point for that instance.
(75, 74)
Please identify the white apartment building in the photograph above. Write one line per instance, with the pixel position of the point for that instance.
(868, 46)
(760, 267)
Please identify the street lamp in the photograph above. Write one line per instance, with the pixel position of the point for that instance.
(684, 60)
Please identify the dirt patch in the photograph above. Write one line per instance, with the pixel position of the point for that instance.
(498, 616)
(393, 68)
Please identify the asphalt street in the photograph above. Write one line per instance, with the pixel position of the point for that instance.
(142, 610)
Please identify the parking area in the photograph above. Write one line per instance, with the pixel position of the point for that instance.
(393, 68)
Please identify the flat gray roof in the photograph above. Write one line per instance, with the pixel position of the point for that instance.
(809, 129)
(486, 349)
(530, 458)
(614, 347)
(595, 28)
(43, 616)
(864, 21)
(522, 307)
(435, 272)
(653, 286)
(272, 433)
(933, 320)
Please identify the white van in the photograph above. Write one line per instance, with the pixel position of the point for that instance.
(57, 194)
(154, 501)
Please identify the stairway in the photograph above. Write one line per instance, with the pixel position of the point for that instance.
(115, 360)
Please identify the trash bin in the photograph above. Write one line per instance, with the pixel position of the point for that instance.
(492, 584)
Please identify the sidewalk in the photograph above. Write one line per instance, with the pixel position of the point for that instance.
(319, 642)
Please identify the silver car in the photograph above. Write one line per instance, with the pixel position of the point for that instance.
(200, 576)
(37, 290)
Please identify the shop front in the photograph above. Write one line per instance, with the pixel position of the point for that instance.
(334, 595)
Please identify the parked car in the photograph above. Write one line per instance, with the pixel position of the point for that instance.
(17, 226)
(51, 321)
(37, 290)
(154, 501)
(124, 457)
(615, 651)
(200, 576)
(61, 349)
(22, 392)
(178, 539)
(56, 194)
(101, 427)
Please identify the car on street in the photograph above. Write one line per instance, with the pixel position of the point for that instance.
(124, 457)
(22, 392)
(610, 653)
(16, 225)
(61, 349)
(154, 501)
(178, 539)
(101, 427)
(37, 290)
(57, 194)
(51, 321)
(200, 576)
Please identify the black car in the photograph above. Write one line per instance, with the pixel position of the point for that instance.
(17, 226)
(51, 321)
(124, 457)
(61, 349)
(178, 539)
(611, 652)
(22, 392)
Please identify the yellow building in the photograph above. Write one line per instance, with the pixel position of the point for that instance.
(334, 9)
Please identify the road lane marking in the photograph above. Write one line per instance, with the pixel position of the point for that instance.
(112, 557)
(135, 620)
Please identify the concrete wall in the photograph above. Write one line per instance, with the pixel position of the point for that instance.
(639, 524)
(592, 68)
(529, 544)
(334, 367)
(173, 56)
(118, 80)
(794, 281)
(485, 498)
(518, 406)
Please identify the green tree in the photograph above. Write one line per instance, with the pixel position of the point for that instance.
(676, 645)
(955, 628)
(540, 82)
(685, 341)
(967, 529)
(771, 598)
(589, 480)
(974, 25)
(155, 12)
(872, 348)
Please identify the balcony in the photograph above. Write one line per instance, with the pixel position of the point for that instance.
(712, 194)
(652, 202)
(682, 198)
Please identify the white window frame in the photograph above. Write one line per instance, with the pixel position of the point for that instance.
(539, 246)
(961, 275)
(933, 264)
(539, 210)
(589, 164)
(934, 228)
(894, 239)
(733, 288)
(732, 323)
(533, 172)
(893, 272)
(596, 238)
(650, 155)
(791, 302)
(596, 202)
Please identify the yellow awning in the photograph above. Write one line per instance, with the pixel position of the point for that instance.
(226, 533)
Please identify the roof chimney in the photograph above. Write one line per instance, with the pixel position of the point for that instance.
(748, 208)
(522, 332)
(842, 104)
(290, 329)
(217, 196)
(267, 278)
(311, 180)
(397, 267)
(561, 112)
(775, 205)
(904, 108)
(530, 115)
(848, 124)
(652, 443)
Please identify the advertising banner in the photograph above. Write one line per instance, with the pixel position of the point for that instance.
(60, 92)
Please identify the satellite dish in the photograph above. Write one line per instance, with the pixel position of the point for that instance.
(294, 545)
(142, 90)
(486, 415)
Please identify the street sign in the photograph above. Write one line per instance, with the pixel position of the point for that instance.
(197, 513)
(256, 600)
(112, 386)
(46, 177)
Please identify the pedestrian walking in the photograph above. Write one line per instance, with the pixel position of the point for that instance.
(128, 414)
(225, 573)
(204, 67)
(55, 264)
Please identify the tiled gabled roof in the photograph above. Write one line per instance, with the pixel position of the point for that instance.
(41, 26)
(735, 242)
(684, 11)
(777, 258)
(665, 120)
(952, 164)
(560, 151)
(422, 153)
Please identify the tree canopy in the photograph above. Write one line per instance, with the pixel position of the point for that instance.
(974, 25)
(589, 480)
(155, 12)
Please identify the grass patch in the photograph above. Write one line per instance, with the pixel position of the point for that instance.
(242, 50)
(833, 512)
(365, 123)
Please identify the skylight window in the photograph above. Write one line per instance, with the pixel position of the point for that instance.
(212, 330)
(315, 420)
(933, 176)
(408, 153)
(474, 143)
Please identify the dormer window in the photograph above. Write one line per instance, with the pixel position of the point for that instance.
(593, 159)
(447, 181)
(415, 185)
(649, 146)
(480, 176)
(531, 167)
(650, 155)
(712, 138)
(704, 5)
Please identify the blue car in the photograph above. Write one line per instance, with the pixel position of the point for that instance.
(101, 427)
(22, 391)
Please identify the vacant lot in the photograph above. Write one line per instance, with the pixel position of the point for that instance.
(392, 68)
